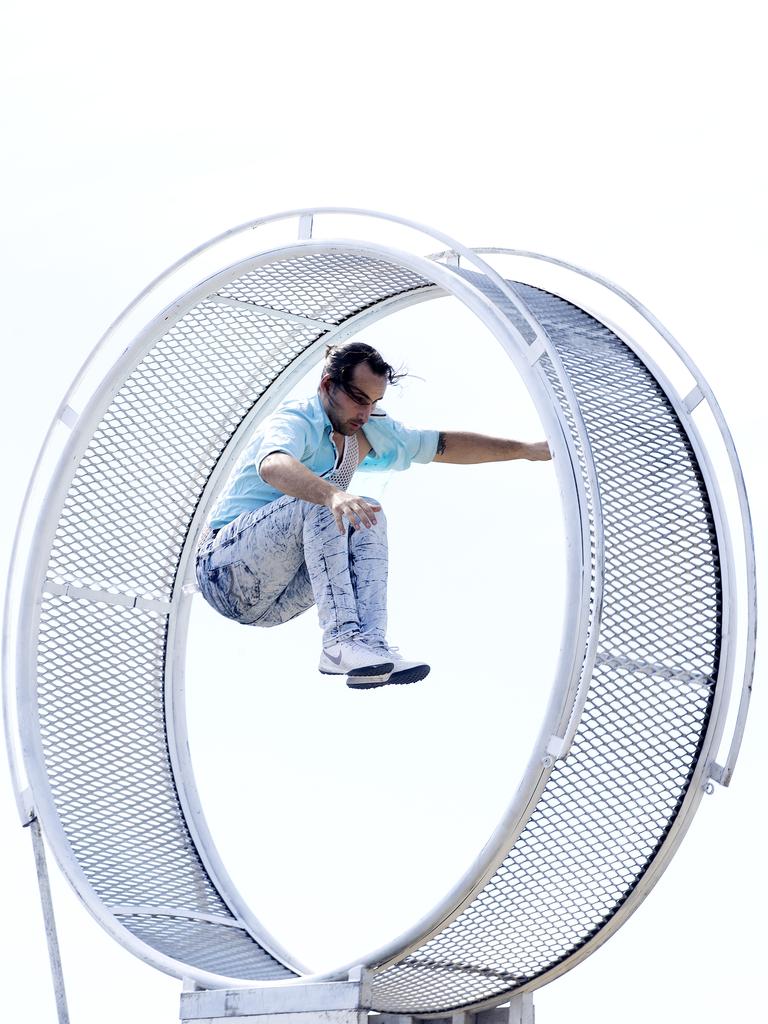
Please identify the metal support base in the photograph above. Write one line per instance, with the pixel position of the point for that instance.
(338, 1002)
(335, 1002)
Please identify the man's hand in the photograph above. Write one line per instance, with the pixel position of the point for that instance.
(357, 510)
(538, 452)
(288, 475)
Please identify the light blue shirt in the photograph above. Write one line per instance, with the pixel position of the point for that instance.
(303, 430)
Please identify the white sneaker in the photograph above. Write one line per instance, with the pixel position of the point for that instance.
(402, 671)
(354, 659)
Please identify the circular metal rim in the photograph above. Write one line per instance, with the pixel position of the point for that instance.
(33, 580)
(538, 770)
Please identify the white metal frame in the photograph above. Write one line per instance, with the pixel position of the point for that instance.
(578, 647)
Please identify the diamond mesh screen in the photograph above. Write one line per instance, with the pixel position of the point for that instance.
(327, 288)
(127, 511)
(217, 948)
(605, 811)
(100, 703)
(100, 695)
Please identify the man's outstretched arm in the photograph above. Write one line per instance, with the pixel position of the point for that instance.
(461, 447)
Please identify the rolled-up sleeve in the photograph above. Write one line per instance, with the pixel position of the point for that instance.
(286, 431)
(395, 446)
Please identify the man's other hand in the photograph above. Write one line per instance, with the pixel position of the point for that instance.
(538, 452)
(358, 511)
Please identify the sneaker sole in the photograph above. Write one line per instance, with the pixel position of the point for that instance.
(408, 675)
(382, 670)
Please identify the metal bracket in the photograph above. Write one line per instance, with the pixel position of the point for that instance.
(27, 804)
(556, 746)
(278, 314)
(68, 416)
(536, 350)
(151, 604)
(718, 774)
(669, 673)
(693, 398)
(142, 910)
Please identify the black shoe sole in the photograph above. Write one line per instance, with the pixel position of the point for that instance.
(408, 675)
(367, 670)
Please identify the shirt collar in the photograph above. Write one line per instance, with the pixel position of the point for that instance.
(320, 410)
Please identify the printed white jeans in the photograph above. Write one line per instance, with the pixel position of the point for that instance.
(270, 565)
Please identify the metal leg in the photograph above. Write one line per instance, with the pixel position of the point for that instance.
(521, 1009)
(50, 923)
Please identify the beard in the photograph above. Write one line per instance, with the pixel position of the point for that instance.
(345, 429)
(341, 426)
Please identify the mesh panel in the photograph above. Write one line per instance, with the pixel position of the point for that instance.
(605, 811)
(209, 947)
(100, 704)
(127, 512)
(662, 584)
(319, 285)
(122, 527)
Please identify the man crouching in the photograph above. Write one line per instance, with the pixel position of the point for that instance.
(287, 533)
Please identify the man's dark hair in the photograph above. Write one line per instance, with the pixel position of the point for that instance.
(341, 360)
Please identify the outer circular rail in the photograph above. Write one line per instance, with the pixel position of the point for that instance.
(95, 655)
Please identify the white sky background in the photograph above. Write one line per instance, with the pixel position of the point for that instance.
(630, 145)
